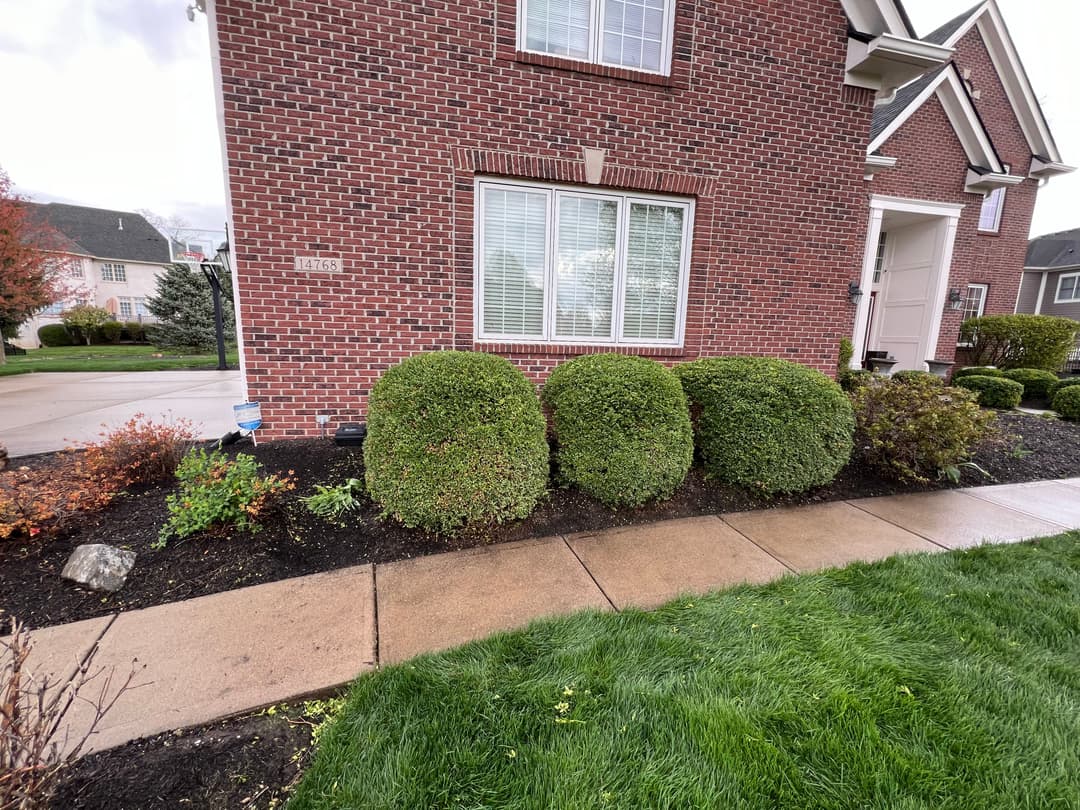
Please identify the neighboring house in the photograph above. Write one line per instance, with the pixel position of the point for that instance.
(1051, 283)
(658, 177)
(112, 257)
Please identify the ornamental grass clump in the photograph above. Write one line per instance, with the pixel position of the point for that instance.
(217, 492)
(993, 392)
(917, 430)
(455, 440)
(622, 428)
(767, 424)
(1036, 381)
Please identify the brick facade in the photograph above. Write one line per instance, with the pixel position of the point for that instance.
(356, 128)
(932, 166)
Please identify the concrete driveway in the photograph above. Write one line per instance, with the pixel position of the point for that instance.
(51, 410)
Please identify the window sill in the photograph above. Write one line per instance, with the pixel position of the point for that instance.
(573, 349)
(989, 233)
(578, 66)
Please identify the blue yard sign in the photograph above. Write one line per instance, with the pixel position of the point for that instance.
(248, 416)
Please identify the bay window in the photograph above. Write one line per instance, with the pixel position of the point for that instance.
(558, 264)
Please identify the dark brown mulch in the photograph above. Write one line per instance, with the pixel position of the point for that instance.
(247, 762)
(294, 542)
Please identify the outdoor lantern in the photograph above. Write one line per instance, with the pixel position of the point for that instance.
(956, 300)
(854, 292)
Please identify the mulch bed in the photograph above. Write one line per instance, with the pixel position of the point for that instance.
(293, 542)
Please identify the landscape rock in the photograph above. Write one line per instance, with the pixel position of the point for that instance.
(99, 567)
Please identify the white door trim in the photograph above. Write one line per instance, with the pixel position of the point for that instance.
(878, 206)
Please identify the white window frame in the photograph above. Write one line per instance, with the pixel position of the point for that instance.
(596, 38)
(982, 301)
(1000, 192)
(1076, 289)
(618, 302)
(110, 271)
(120, 304)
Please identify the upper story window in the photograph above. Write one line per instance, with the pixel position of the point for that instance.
(992, 206)
(633, 34)
(1068, 288)
(113, 272)
(567, 265)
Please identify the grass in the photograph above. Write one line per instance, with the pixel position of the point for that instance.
(940, 681)
(127, 357)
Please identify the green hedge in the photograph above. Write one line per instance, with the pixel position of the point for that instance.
(1019, 341)
(455, 439)
(980, 371)
(768, 424)
(1036, 381)
(994, 392)
(1060, 384)
(622, 428)
(912, 375)
(55, 334)
(1067, 403)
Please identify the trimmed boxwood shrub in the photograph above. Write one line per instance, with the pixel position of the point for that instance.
(852, 378)
(1036, 381)
(994, 392)
(55, 334)
(1060, 384)
(1067, 403)
(913, 375)
(455, 439)
(916, 429)
(980, 371)
(1019, 341)
(622, 427)
(767, 424)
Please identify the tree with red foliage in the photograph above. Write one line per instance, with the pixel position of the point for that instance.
(31, 266)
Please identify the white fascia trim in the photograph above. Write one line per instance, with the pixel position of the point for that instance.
(961, 114)
(875, 164)
(875, 17)
(976, 183)
(938, 209)
(906, 49)
(890, 61)
(1066, 268)
(1010, 70)
(1040, 168)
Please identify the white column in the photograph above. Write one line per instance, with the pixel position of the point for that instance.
(862, 313)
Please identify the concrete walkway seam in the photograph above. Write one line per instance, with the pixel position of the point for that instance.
(581, 562)
(750, 540)
(897, 525)
(974, 494)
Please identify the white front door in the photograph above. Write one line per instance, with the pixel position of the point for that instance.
(903, 321)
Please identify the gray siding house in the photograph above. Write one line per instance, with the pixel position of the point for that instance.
(1051, 283)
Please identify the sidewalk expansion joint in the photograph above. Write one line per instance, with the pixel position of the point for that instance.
(907, 529)
(756, 545)
(972, 494)
(376, 663)
(581, 562)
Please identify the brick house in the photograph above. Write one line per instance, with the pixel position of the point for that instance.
(672, 178)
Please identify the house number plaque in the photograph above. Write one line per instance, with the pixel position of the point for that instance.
(318, 264)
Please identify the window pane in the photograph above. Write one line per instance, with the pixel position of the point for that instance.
(975, 302)
(586, 269)
(633, 33)
(558, 26)
(653, 261)
(1067, 288)
(990, 214)
(515, 238)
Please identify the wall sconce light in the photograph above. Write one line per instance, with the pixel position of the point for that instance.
(854, 292)
(956, 300)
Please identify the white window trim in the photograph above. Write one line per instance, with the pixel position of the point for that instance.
(982, 301)
(596, 45)
(550, 269)
(1076, 289)
(997, 214)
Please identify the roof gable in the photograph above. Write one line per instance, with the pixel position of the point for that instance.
(106, 234)
(878, 17)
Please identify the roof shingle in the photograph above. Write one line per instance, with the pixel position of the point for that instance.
(106, 234)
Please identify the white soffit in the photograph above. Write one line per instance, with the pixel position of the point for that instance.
(876, 17)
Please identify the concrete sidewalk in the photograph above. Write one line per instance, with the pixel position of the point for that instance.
(219, 655)
(48, 411)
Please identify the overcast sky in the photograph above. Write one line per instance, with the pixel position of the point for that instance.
(110, 102)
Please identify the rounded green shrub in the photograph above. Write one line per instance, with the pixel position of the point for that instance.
(55, 334)
(994, 392)
(1067, 403)
(913, 375)
(980, 371)
(767, 424)
(455, 439)
(1069, 382)
(1036, 381)
(852, 378)
(1019, 341)
(622, 428)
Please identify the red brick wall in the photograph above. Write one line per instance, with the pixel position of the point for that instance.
(356, 128)
(932, 166)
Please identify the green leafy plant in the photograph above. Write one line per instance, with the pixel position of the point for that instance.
(847, 351)
(908, 375)
(993, 392)
(218, 492)
(84, 320)
(455, 440)
(916, 430)
(767, 424)
(1061, 384)
(331, 503)
(980, 371)
(1019, 341)
(851, 378)
(622, 427)
(1067, 403)
(55, 334)
(1036, 381)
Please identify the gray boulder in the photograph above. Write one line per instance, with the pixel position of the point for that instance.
(99, 567)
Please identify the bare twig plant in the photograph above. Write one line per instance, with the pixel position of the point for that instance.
(36, 742)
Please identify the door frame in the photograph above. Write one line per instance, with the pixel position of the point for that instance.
(879, 205)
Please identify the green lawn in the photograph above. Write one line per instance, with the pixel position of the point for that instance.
(944, 681)
(109, 358)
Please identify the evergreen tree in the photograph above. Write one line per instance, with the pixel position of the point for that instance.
(184, 307)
